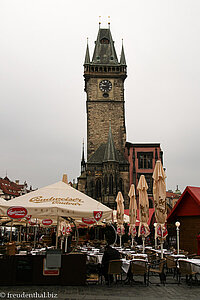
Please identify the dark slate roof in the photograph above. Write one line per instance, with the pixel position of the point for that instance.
(110, 152)
(122, 58)
(87, 56)
(98, 156)
(107, 152)
(104, 53)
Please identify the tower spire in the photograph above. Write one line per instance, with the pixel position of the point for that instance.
(87, 55)
(83, 164)
(122, 58)
(109, 22)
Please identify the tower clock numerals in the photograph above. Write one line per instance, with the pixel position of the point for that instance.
(105, 85)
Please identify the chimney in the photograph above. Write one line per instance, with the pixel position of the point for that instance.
(17, 181)
(64, 179)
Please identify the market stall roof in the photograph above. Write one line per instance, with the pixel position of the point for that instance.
(187, 205)
(58, 199)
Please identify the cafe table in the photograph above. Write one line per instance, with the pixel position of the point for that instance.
(195, 263)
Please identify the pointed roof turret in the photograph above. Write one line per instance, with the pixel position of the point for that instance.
(87, 55)
(122, 58)
(104, 52)
(110, 151)
(83, 163)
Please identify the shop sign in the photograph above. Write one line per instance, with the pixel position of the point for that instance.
(17, 212)
(97, 215)
(88, 221)
(47, 222)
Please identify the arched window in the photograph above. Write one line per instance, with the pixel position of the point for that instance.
(105, 184)
(91, 190)
(111, 185)
(98, 189)
(121, 185)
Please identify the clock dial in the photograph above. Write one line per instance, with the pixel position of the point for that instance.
(105, 86)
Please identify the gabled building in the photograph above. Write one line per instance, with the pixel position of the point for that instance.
(187, 212)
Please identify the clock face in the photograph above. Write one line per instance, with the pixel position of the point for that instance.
(105, 86)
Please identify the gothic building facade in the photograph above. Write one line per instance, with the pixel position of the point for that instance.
(107, 170)
(112, 163)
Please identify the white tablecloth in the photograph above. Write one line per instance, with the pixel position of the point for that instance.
(126, 263)
(195, 263)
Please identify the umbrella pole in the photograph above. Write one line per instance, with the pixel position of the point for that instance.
(11, 231)
(34, 234)
(155, 243)
(20, 234)
(66, 243)
(143, 246)
(57, 232)
(120, 241)
(132, 242)
(161, 243)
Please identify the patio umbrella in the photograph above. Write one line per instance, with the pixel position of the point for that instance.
(159, 195)
(56, 200)
(120, 216)
(143, 209)
(132, 212)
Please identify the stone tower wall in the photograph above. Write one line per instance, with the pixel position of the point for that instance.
(101, 110)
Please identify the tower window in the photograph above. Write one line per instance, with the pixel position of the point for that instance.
(111, 185)
(91, 191)
(145, 160)
(98, 188)
(121, 186)
(105, 183)
(104, 41)
(111, 58)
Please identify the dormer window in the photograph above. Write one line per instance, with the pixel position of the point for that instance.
(104, 41)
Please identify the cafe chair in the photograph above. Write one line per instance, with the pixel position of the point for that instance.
(115, 269)
(152, 257)
(139, 268)
(185, 269)
(158, 269)
(171, 265)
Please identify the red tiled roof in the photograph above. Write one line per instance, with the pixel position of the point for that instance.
(172, 195)
(10, 188)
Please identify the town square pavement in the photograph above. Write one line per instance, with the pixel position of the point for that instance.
(97, 292)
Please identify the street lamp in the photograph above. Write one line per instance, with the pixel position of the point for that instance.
(177, 230)
(155, 225)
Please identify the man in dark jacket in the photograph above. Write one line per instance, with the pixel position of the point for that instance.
(109, 254)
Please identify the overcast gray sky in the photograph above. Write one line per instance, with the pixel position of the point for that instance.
(42, 99)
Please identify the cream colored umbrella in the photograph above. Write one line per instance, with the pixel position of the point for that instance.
(143, 209)
(132, 212)
(159, 195)
(126, 217)
(120, 216)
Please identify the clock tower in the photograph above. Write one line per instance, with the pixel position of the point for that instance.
(106, 170)
(104, 85)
